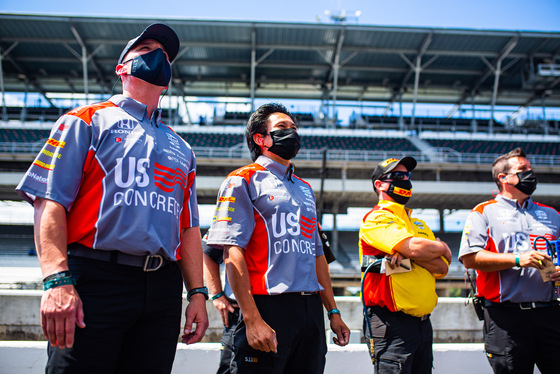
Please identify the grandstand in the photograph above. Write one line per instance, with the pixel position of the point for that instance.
(295, 61)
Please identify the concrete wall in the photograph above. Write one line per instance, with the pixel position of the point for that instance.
(19, 357)
(453, 322)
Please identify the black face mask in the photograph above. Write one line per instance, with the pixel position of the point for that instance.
(400, 191)
(285, 143)
(152, 67)
(527, 182)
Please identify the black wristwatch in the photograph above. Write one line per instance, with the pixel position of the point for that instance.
(194, 291)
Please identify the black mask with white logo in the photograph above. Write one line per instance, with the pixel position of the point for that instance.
(152, 67)
(285, 143)
(527, 182)
(400, 191)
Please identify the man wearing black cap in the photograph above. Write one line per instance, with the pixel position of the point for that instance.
(400, 294)
(116, 226)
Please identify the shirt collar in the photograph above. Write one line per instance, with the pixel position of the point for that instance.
(514, 204)
(276, 168)
(131, 106)
(396, 208)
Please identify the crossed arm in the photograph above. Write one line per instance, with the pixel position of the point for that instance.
(426, 253)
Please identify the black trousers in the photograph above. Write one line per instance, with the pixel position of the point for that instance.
(132, 320)
(300, 332)
(226, 353)
(402, 343)
(515, 340)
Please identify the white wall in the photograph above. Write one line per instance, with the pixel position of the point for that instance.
(30, 357)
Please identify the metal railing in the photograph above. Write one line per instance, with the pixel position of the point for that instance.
(445, 155)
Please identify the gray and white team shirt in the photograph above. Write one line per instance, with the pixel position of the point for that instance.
(126, 180)
(266, 210)
(502, 226)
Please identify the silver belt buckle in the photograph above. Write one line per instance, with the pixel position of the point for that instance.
(147, 262)
(424, 317)
(531, 306)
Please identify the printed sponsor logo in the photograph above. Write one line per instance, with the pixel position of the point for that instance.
(516, 242)
(166, 178)
(541, 214)
(225, 208)
(127, 124)
(540, 244)
(226, 199)
(38, 178)
(134, 166)
(306, 191)
(51, 154)
(172, 139)
(118, 139)
(290, 224)
(402, 192)
(56, 143)
(504, 213)
(251, 359)
(387, 162)
(308, 225)
(223, 219)
(420, 225)
(61, 128)
(132, 197)
(43, 165)
(231, 185)
(271, 198)
(132, 172)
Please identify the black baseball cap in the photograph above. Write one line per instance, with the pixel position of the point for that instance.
(160, 32)
(389, 164)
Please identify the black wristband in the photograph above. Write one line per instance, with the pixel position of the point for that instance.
(62, 274)
(194, 291)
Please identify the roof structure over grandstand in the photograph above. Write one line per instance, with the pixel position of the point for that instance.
(292, 60)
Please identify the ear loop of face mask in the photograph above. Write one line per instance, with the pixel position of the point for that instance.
(161, 96)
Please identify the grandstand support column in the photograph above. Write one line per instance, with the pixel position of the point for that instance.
(4, 113)
(253, 67)
(441, 220)
(2, 55)
(320, 203)
(189, 121)
(335, 230)
(497, 72)
(474, 124)
(84, 59)
(401, 118)
(545, 124)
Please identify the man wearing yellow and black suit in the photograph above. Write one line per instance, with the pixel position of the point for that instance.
(400, 295)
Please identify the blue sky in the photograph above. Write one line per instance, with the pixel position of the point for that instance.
(537, 15)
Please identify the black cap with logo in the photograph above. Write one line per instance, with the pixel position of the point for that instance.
(386, 166)
(160, 32)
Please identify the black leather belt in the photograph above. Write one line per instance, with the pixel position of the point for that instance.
(147, 263)
(522, 306)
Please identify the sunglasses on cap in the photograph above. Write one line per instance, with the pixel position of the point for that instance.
(396, 176)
